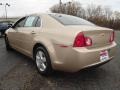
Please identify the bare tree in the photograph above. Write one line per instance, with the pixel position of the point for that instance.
(71, 8)
(108, 13)
(117, 15)
(55, 8)
(97, 14)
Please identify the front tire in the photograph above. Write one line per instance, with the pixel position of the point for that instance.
(43, 62)
(8, 47)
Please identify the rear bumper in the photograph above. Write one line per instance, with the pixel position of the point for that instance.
(75, 59)
(98, 63)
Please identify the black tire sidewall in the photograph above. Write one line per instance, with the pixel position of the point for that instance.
(48, 69)
(7, 43)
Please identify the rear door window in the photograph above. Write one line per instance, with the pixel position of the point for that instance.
(30, 21)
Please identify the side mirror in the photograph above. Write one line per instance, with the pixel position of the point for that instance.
(10, 25)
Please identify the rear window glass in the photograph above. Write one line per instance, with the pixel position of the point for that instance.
(70, 20)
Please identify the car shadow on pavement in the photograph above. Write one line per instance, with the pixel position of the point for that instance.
(70, 80)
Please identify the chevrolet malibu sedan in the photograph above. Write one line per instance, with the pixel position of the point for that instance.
(61, 42)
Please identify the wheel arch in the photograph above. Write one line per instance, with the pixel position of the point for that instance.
(36, 46)
(50, 49)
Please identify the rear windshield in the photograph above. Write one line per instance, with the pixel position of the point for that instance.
(70, 20)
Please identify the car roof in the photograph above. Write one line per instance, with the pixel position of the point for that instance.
(39, 14)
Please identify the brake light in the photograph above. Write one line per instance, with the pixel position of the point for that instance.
(82, 41)
(112, 37)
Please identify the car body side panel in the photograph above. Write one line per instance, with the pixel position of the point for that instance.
(13, 37)
(27, 39)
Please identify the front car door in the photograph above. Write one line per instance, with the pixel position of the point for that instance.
(22, 34)
(13, 34)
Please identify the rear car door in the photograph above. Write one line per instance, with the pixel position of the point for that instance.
(30, 29)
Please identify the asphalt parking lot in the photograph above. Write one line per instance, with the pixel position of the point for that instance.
(18, 72)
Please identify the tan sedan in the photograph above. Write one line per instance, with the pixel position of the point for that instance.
(61, 42)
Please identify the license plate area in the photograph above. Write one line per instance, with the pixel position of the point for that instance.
(104, 55)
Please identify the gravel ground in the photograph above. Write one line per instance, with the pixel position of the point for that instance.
(18, 72)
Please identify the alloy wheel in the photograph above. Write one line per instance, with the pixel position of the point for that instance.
(41, 61)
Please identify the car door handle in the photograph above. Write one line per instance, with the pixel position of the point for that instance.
(33, 32)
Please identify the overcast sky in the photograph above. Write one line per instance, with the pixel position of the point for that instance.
(24, 7)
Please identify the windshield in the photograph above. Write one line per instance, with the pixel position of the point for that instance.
(70, 20)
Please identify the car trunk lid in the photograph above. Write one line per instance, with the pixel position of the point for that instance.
(100, 36)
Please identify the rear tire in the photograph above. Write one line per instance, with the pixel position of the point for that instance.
(8, 47)
(43, 62)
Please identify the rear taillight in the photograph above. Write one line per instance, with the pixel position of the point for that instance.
(82, 41)
(88, 41)
(112, 37)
